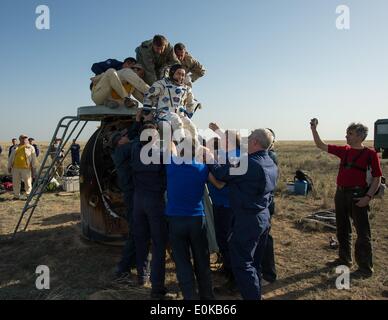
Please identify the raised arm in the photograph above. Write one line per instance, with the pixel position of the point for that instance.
(317, 139)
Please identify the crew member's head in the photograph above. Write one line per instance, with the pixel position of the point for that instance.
(139, 69)
(129, 62)
(356, 133)
(159, 44)
(259, 140)
(180, 51)
(177, 74)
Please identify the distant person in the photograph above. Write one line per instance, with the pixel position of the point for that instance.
(353, 195)
(56, 155)
(1, 150)
(22, 164)
(156, 56)
(36, 147)
(14, 144)
(75, 153)
(194, 70)
(114, 88)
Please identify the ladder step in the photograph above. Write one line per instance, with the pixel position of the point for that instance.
(30, 207)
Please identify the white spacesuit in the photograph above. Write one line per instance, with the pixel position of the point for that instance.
(174, 104)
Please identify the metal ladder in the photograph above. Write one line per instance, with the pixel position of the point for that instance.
(47, 170)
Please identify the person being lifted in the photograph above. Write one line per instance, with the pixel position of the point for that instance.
(173, 102)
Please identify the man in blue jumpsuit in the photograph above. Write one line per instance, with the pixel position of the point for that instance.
(148, 212)
(250, 196)
(121, 148)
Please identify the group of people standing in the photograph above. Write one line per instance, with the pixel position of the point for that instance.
(23, 162)
(180, 219)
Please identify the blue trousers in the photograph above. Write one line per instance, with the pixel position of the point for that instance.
(128, 257)
(223, 217)
(149, 223)
(189, 234)
(268, 263)
(247, 246)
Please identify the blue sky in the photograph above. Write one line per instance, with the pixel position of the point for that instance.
(269, 63)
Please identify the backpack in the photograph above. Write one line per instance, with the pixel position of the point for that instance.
(72, 170)
(301, 176)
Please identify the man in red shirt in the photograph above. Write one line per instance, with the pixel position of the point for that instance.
(353, 195)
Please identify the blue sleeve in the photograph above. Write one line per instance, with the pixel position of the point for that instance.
(37, 151)
(97, 68)
(221, 172)
(272, 154)
(101, 67)
(134, 130)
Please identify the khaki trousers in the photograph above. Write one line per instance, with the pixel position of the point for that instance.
(19, 175)
(103, 89)
(113, 79)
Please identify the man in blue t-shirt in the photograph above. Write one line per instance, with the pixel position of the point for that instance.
(229, 147)
(186, 220)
